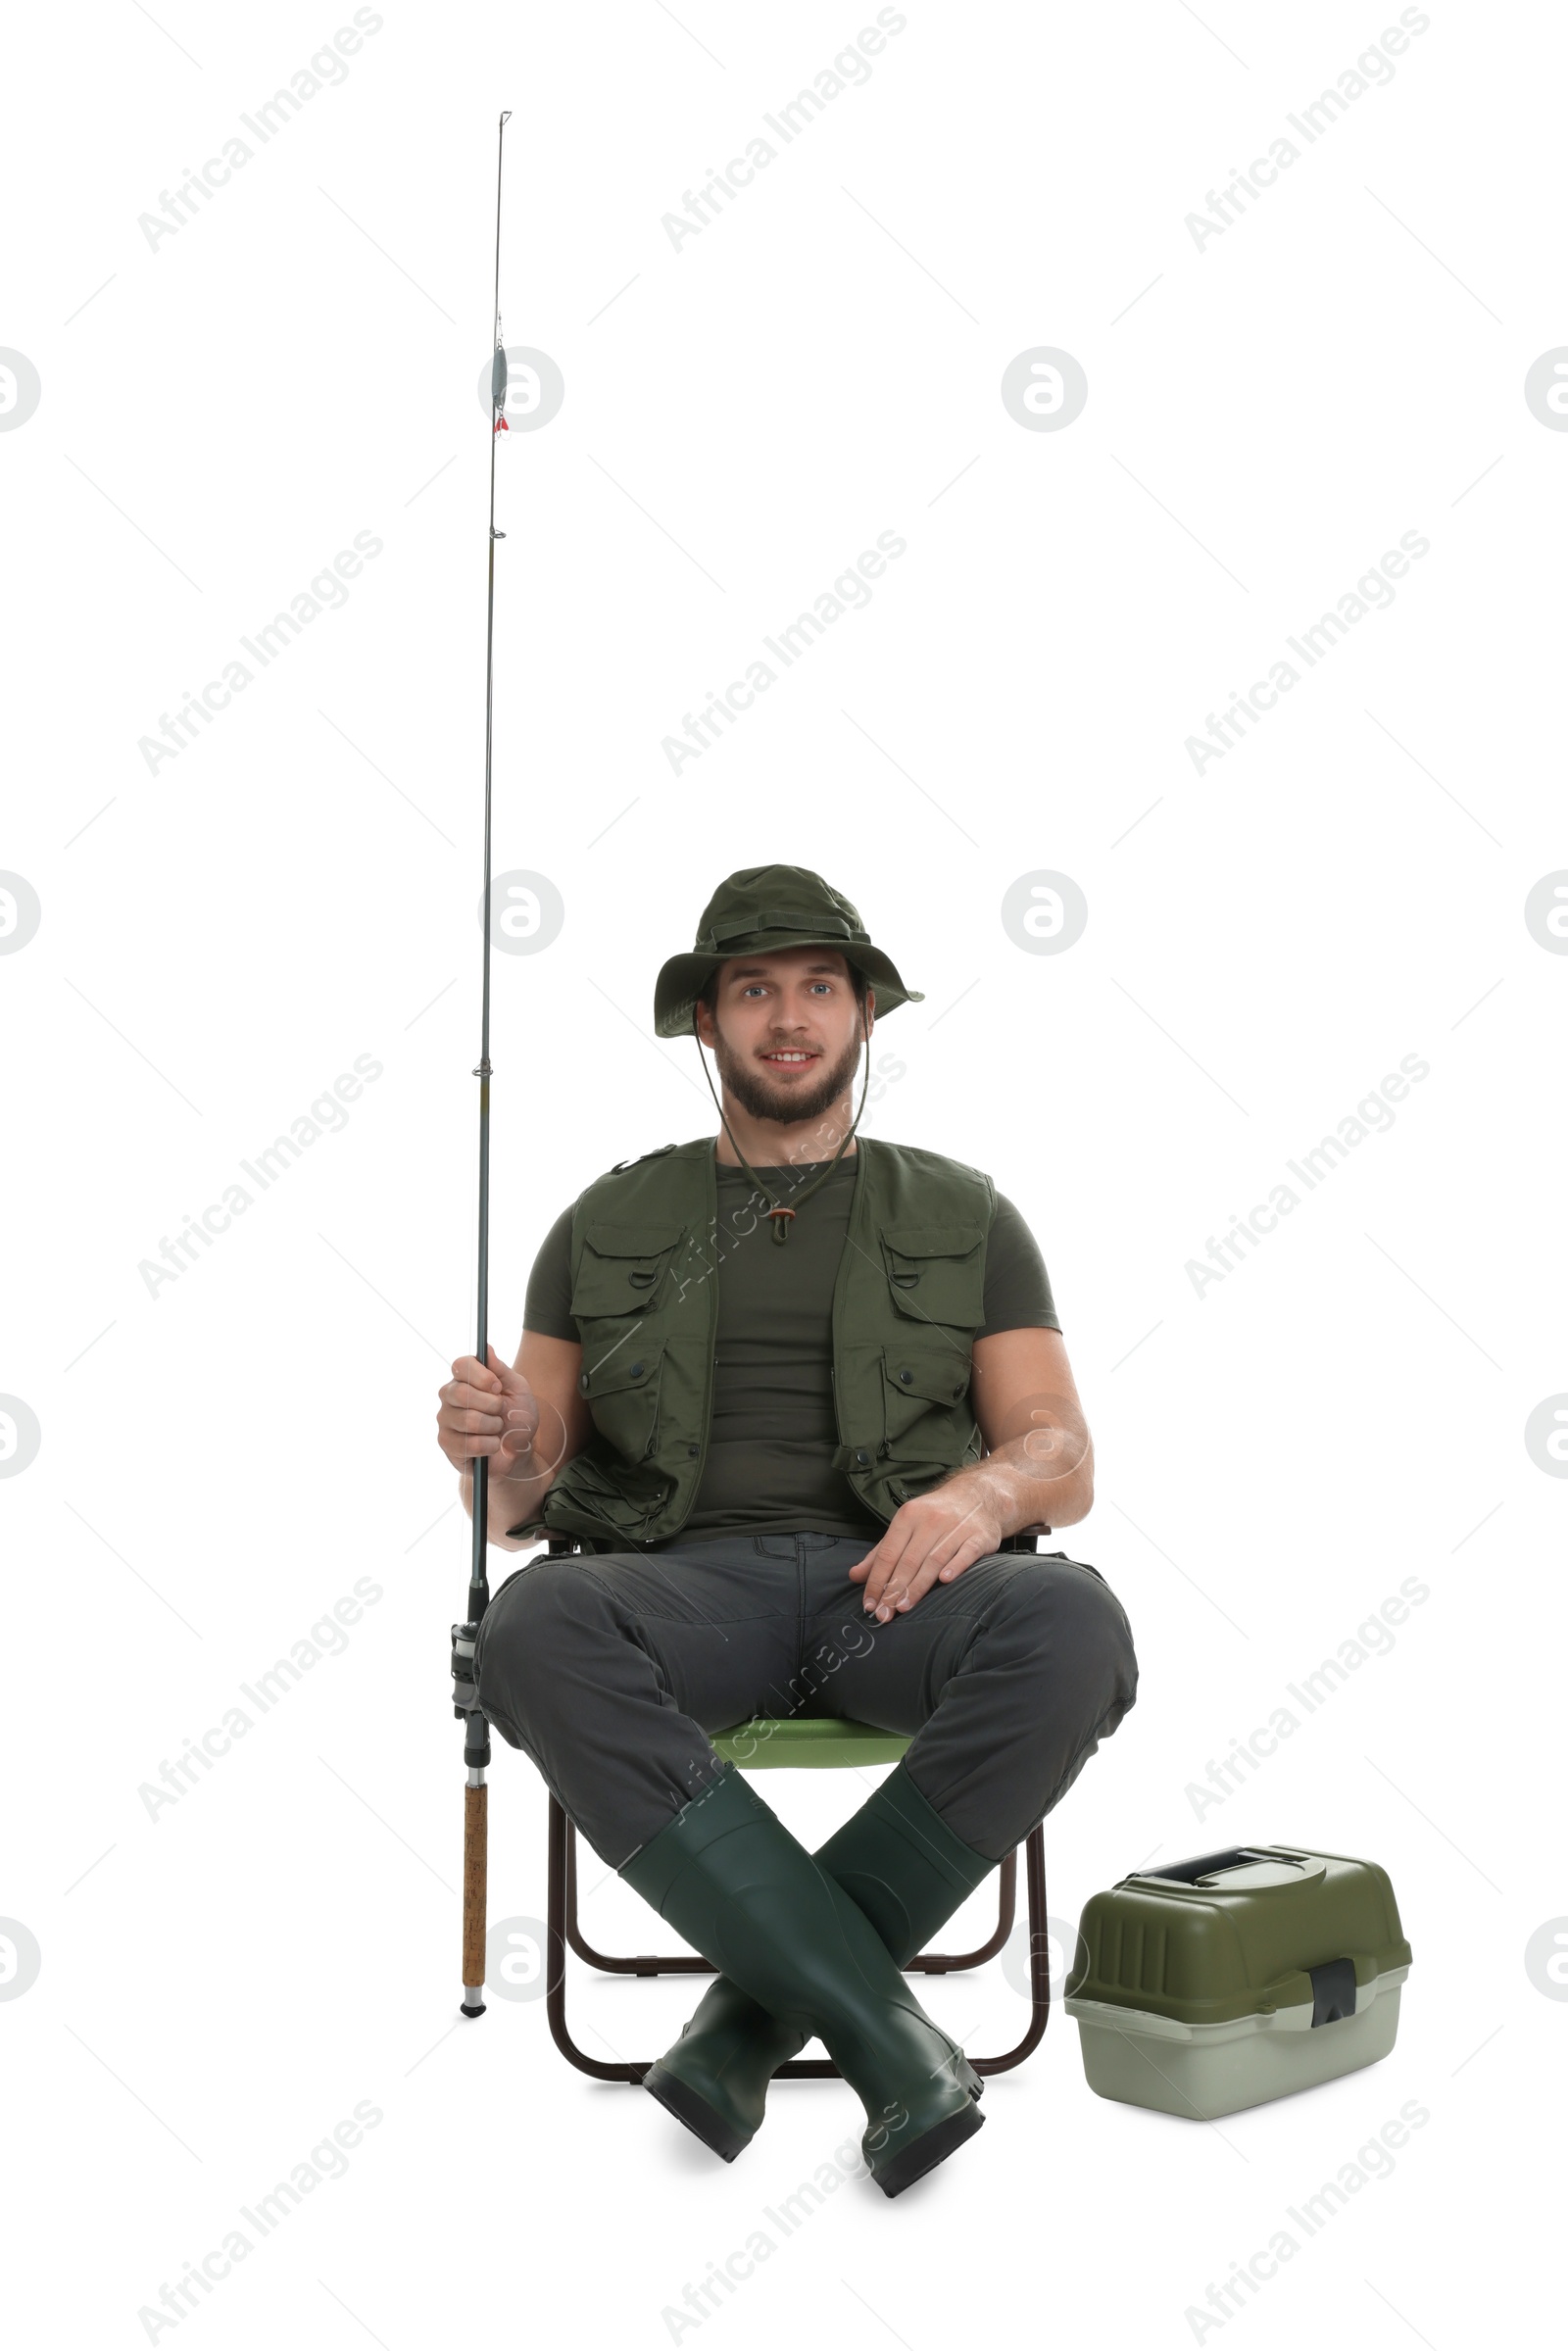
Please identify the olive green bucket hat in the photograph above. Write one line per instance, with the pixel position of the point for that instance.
(756, 913)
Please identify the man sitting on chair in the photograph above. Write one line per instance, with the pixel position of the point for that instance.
(792, 1396)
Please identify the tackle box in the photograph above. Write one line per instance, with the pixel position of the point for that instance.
(1237, 1977)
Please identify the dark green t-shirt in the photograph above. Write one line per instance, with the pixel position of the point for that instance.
(769, 1468)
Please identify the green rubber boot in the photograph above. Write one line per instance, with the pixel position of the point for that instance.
(902, 1866)
(901, 1862)
(730, 1878)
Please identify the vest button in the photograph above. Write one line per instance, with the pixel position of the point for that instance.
(582, 1385)
(637, 1370)
(905, 1377)
(861, 1457)
(959, 1389)
(693, 1450)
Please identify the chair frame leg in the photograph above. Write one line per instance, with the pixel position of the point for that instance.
(562, 1927)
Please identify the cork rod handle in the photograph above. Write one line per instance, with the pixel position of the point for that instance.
(475, 1848)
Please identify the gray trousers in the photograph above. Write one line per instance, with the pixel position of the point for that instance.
(611, 1670)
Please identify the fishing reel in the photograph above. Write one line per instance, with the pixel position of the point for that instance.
(465, 1690)
(466, 1697)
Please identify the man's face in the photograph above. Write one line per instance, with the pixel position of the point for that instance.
(786, 1032)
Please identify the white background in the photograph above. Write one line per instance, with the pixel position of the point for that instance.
(219, 1461)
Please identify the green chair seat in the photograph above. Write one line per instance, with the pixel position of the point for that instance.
(773, 1742)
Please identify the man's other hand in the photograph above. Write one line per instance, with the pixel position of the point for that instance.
(930, 1541)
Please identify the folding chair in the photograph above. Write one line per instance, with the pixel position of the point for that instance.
(772, 1742)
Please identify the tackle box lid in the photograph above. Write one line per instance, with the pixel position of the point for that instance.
(1244, 1932)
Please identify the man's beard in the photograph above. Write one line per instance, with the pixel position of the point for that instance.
(750, 1087)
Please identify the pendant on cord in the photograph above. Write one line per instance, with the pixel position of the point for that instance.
(782, 1219)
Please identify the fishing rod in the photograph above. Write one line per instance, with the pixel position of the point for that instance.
(464, 1691)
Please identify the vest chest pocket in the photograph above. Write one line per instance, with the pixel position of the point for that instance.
(621, 1388)
(622, 1270)
(937, 1274)
(622, 1276)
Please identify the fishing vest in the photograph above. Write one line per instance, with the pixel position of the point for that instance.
(908, 1302)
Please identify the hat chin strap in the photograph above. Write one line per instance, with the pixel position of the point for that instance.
(783, 1217)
